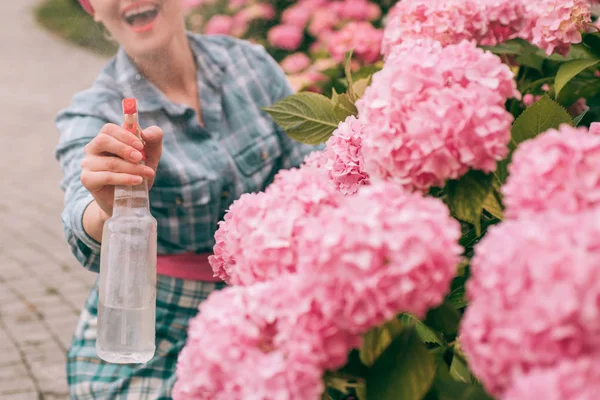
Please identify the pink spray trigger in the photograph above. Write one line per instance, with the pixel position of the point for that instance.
(129, 106)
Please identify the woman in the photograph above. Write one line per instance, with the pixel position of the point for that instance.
(201, 99)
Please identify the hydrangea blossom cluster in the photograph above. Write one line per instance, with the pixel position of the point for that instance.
(487, 22)
(433, 112)
(362, 37)
(550, 24)
(268, 339)
(578, 379)
(342, 157)
(533, 294)
(385, 251)
(558, 170)
(555, 24)
(257, 240)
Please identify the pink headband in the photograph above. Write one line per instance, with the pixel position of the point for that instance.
(87, 6)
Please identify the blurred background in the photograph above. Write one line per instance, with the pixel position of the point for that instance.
(53, 49)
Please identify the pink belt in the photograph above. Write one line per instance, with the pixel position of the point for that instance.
(190, 266)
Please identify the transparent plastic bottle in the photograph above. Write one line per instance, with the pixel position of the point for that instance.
(127, 291)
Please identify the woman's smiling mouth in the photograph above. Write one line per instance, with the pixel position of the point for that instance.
(141, 16)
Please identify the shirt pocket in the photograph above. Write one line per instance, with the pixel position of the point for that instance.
(185, 216)
(257, 161)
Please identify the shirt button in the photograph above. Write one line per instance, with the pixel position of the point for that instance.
(263, 155)
(179, 201)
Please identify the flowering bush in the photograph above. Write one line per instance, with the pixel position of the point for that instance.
(274, 330)
(320, 31)
(433, 112)
(559, 170)
(258, 239)
(533, 296)
(458, 178)
(579, 379)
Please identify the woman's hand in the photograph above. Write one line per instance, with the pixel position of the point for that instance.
(113, 158)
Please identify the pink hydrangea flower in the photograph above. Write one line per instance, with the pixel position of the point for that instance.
(595, 128)
(504, 20)
(555, 24)
(316, 159)
(344, 156)
(297, 15)
(258, 238)
(234, 4)
(323, 20)
(380, 252)
(268, 340)
(529, 99)
(254, 12)
(578, 379)
(295, 63)
(433, 112)
(558, 170)
(357, 10)
(287, 37)
(452, 21)
(578, 107)
(533, 292)
(362, 37)
(219, 25)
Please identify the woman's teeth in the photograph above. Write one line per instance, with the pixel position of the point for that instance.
(141, 16)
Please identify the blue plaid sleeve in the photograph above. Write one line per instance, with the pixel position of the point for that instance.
(293, 151)
(75, 132)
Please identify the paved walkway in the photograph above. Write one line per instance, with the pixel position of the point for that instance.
(42, 287)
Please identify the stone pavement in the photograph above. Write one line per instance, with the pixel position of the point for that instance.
(42, 287)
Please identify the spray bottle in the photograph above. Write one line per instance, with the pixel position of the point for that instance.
(127, 291)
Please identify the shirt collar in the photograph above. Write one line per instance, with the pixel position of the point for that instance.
(211, 65)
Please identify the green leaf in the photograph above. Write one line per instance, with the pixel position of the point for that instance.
(361, 85)
(577, 119)
(361, 392)
(531, 60)
(378, 339)
(351, 92)
(424, 332)
(569, 70)
(501, 172)
(457, 292)
(465, 197)
(343, 107)
(459, 370)
(306, 117)
(406, 370)
(493, 206)
(538, 118)
(510, 47)
(445, 318)
(450, 389)
(577, 89)
(334, 96)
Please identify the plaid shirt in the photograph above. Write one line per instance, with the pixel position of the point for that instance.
(202, 170)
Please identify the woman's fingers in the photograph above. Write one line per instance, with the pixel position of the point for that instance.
(115, 164)
(105, 143)
(123, 135)
(96, 180)
(153, 136)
